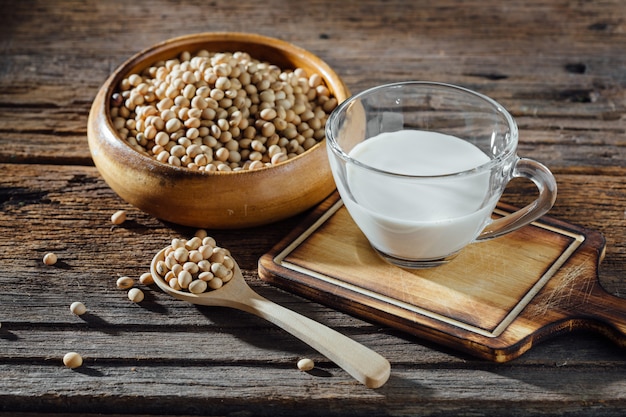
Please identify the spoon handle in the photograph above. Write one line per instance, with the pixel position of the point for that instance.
(365, 365)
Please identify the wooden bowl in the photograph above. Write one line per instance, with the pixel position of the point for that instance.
(220, 200)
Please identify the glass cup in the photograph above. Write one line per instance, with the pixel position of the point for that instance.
(420, 167)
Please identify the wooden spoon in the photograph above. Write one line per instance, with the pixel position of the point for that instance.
(365, 365)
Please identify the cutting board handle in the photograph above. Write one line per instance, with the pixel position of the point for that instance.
(605, 313)
(590, 306)
(613, 316)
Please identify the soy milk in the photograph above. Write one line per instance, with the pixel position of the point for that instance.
(418, 218)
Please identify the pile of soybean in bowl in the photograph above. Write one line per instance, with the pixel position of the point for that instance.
(221, 111)
(196, 265)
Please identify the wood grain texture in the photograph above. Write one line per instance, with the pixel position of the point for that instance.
(557, 66)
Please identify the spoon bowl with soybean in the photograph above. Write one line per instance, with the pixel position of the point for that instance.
(365, 365)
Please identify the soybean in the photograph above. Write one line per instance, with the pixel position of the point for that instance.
(215, 283)
(135, 295)
(201, 111)
(197, 287)
(146, 279)
(72, 360)
(124, 283)
(118, 217)
(50, 258)
(306, 364)
(78, 308)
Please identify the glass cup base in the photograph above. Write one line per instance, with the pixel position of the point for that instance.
(415, 263)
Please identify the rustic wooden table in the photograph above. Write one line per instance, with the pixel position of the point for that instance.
(558, 66)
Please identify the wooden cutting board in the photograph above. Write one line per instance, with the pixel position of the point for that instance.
(495, 300)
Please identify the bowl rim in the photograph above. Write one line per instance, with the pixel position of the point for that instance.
(136, 61)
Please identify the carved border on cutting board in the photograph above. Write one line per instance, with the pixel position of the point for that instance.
(282, 259)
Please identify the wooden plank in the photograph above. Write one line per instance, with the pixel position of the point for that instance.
(56, 204)
(574, 96)
(217, 390)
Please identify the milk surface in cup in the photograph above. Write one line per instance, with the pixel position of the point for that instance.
(418, 218)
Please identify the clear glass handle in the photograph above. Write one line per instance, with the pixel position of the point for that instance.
(545, 182)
